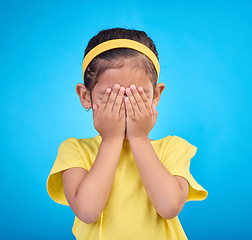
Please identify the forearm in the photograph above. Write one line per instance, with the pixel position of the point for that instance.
(94, 190)
(161, 186)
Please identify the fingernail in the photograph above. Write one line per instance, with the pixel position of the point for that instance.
(116, 86)
(108, 90)
(140, 89)
(132, 87)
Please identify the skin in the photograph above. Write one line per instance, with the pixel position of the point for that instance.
(124, 109)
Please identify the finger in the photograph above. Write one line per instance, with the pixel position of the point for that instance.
(123, 104)
(122, 109)
(118, 100)
(112, 97)
(95, 109)
(105, 99)
(137, 97)
(128, 106)
(132, 101)
(144, 98)
(154, 111)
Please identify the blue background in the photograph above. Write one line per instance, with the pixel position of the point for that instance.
(205, 57)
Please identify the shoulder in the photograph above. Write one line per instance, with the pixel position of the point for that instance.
(67, 146)
(173, 147)
(172, 142)
(68, 142)
(180, 142)
(73, 143)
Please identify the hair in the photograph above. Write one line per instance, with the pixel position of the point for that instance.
(117, 58)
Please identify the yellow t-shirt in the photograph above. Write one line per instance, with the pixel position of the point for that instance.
(129, 213)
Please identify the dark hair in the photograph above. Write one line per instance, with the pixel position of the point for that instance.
(115, 58)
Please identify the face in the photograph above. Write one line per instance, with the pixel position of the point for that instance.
(125, 77)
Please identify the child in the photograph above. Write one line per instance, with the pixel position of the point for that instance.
(120, 184)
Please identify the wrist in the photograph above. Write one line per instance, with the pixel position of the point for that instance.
(112, 140)
(138, 140)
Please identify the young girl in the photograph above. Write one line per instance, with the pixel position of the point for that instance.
(121, 184)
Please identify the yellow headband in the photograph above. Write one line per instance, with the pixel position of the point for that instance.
(120, 43)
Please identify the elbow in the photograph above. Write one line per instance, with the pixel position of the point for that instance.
(170, 210)
(88, 215)
(168, 213)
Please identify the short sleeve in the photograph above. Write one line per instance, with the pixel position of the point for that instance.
(177, 160)
(69, 156)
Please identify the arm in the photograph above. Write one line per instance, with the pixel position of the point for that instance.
(167, 193)
(87, 192)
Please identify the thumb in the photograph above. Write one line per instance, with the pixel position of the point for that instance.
(154, 111)
(95, 109)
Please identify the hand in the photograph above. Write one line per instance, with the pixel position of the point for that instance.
(141, 114)
(109, 117)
